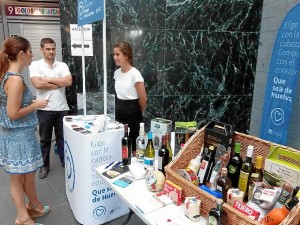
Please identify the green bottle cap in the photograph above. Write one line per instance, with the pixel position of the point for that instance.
(237, 147)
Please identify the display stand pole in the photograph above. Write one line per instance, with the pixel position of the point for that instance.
(83, 72)
(104, 66)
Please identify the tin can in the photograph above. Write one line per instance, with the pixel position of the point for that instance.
(189, 175)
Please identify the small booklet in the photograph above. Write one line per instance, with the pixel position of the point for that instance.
(150, 203)
(116, 171)
(124, 181)
(147, 204)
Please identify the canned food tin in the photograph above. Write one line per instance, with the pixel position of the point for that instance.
(188, 175)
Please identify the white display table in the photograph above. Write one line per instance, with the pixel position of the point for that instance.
(91, 199)
(168, 215)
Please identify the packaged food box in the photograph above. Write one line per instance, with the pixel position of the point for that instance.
(159, 127)
(284, 163)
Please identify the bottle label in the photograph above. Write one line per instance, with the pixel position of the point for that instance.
(140, 149)
(219, 188)
(213, 176)
(160, 163)
(243, 181)
(124, 152)
(232, 169)
(203, 168)
(194, 167)
(139, 154)
(148, 161)
(212, 220)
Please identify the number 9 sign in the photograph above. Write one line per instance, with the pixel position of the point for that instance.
(10, 10)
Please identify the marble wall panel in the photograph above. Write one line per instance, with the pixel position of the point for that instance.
(198, 58)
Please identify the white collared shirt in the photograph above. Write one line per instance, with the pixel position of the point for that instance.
(40, 68)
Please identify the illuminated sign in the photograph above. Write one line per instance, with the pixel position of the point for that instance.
(15, 10)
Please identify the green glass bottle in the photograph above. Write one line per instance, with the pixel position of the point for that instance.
(163, 155)
(246, 171)
(234, 165)
(214, 216)
(169, 147)
(149, 152)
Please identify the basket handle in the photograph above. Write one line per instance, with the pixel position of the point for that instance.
(221, 128)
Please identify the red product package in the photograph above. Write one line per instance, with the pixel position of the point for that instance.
(173, 191)
(245, 209)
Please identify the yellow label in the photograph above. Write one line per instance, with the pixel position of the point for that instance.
(243, 181)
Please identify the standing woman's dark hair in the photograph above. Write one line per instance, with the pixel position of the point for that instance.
(11, 48)
(125, 48)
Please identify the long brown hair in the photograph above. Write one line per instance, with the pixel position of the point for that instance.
(11, 48)
(125, 48)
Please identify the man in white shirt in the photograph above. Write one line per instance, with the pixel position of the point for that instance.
(50, 77)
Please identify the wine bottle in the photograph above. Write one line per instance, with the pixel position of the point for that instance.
(256, 176)
(234, 166)
(126, 147)
(224, 183)
(149, 152)
(277, 215)
(169, 147)
(246, 171)
(163, 155)
(215, 174)
(206, 165)
(214, 216)
(141, 141)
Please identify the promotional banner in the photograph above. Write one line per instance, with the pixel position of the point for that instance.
(92, 201)
(89, 11)
(282, 80)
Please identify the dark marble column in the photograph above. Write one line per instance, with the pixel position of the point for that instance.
(198, 58)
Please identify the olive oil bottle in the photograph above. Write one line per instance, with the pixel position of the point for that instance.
(246, 171)
(235, 164)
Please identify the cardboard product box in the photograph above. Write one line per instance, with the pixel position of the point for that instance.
(220, 135)
(159, 127)
(284, 163)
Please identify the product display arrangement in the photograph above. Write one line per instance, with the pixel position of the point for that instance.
(217, 177)
(255, 179)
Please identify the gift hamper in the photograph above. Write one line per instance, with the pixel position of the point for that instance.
(229, 215)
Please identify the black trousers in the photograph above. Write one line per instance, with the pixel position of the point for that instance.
(47, 121)
(129, 111)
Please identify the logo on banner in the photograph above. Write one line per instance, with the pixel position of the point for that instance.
(99, 212)
(69, 168)
(282, 80)
(89, 11)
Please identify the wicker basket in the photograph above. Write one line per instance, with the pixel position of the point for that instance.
(229, 214)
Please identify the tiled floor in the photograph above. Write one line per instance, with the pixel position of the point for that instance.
(51, 191)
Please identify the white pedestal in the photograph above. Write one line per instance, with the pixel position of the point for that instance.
(91, 199)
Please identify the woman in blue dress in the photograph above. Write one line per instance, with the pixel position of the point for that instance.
(20, 153)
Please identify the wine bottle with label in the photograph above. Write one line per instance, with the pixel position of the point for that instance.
(126, 147)
(256, 176)
(168, 146)
(206, 165)
(234, 166)
(149, 152)
(246, 171)
(163, 156)
(214, 216)
(141, 141)
(224, 183)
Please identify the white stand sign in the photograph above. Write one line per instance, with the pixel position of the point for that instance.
(76, 43)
